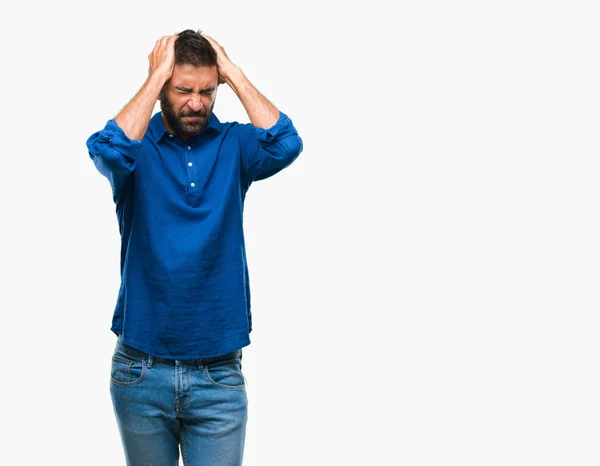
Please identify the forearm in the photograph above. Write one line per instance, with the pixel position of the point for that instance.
(262, 113)
(135, 116)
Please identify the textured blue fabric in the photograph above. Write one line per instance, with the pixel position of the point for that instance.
(185, 290)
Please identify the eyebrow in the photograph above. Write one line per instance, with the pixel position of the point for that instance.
(187, 89)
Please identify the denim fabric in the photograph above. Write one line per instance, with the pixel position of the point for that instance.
(162, 406)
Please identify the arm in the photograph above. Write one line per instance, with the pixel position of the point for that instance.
(135, 116)
(262, 113)
(114, 149)
(271, 143)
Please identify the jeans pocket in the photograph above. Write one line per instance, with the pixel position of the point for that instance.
(226, 374)
(126, 371)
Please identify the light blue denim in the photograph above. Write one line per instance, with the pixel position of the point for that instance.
(162, 406)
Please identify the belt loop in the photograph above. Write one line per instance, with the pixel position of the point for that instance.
(149, 362)
(199, 361)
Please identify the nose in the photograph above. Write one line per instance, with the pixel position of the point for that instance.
(195, 102)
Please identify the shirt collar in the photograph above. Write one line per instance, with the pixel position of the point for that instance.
(158, 130)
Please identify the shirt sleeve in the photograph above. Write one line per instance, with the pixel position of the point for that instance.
(268, 151)
(114, 154)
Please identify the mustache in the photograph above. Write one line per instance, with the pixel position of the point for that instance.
(200, 113)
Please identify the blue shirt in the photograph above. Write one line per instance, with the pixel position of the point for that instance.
(184, 290)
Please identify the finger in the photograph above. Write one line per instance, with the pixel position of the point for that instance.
(208, 38)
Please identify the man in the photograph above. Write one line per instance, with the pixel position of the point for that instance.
(179, 180)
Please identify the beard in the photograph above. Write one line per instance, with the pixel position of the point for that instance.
(184, 128)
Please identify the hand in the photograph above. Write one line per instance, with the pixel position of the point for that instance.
(224, 64)
(162, 57)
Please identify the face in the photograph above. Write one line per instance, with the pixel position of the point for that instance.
(188, 98)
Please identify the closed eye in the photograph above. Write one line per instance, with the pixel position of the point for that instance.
(182, 90)
(204, 92)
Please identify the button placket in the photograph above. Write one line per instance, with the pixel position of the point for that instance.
(192, 172)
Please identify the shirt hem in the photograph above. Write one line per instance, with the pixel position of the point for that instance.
(241, 341)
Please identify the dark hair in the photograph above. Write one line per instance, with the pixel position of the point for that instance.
(193, 49)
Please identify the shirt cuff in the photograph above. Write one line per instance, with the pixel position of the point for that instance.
(118, 140)
(282, 128)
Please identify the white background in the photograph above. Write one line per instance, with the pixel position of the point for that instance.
(424, 276)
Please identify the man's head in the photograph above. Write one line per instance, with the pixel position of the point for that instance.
(188, 98)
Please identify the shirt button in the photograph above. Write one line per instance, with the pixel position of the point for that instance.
(189, 164)
(170, 135)
(192, 184)
(189, 148)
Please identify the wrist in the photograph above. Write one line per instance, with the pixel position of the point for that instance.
(231, 74)
(160, 75)
(156, 80)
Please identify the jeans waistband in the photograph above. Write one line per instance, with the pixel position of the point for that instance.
(132, 352)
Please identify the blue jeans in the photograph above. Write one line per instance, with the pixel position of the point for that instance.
(163, 405)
